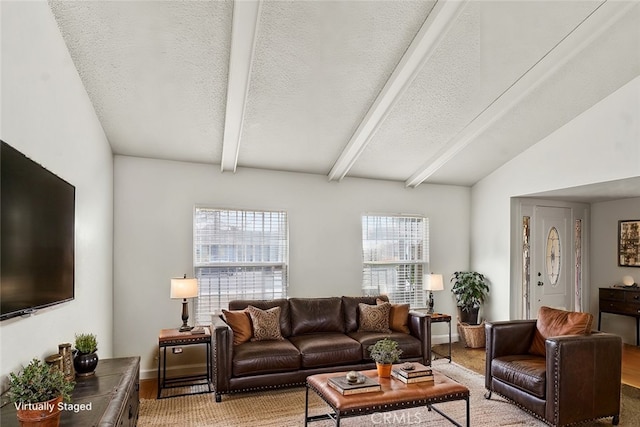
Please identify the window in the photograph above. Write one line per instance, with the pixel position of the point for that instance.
(395, 256)
(238, 255)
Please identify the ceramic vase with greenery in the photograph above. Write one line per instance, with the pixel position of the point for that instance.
(470, 289)
(37, 391)
(85, 358)
(385, 352)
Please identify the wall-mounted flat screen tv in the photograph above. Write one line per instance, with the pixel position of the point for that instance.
(37, 210)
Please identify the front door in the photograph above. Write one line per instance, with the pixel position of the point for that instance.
(552, 273)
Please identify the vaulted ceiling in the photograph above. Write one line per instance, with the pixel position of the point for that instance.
(412, 91)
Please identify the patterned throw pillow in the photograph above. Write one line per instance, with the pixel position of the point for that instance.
(266, 323)
(374, 318)
(240, 324)
(398, 316)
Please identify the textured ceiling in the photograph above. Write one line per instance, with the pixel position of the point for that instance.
(413, 91)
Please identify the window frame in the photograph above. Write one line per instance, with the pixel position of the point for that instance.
(416, 266)
(241, 256)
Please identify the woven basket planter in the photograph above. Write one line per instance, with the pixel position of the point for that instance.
(473, 336)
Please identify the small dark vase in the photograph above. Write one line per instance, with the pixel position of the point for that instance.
(85, 363)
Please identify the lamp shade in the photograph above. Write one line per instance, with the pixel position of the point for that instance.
(433, 282)
(181, 287)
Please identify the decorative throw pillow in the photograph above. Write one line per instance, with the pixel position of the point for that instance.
(374, 318)
(398, 316)
(266, 323)
(553, 322)
(240, 324)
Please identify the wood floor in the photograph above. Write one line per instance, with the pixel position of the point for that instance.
(630, 372)
(631, 365)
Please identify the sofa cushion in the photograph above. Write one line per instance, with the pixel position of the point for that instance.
(329, 349)
(265, 323)
(411, 346)
(526, 372)
(313, 315)
(398, 316)
(553, 322)
(285, 318)
(374, 318)
(240, 324)
(263, 357)
(351, 312)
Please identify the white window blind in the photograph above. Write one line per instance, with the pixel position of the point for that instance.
(238, 254)
(395, 257)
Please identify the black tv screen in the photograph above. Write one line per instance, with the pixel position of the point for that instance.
(37, 210)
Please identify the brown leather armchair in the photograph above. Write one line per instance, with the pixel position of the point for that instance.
(577, 380)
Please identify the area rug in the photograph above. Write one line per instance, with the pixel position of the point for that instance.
(283, 408)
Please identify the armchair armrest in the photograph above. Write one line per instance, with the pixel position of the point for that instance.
(222, 354)
(583, 375)
(420, 327)
(504, 338)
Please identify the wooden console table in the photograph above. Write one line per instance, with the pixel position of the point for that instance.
(622, 301)
(113, 393)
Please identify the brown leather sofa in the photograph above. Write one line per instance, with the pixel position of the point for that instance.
(578, 378)
(320, 335)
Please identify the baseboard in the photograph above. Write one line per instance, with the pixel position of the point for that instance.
(174, 371)
(444, 338)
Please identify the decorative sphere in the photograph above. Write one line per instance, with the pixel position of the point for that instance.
(352, 376)
(628, 280)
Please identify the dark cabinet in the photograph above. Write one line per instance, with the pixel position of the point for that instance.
(622, 301)
(110, 398)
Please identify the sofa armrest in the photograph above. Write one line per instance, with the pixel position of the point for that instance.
(222, 354)
(420, 327)
(583, 375)
(505, 338)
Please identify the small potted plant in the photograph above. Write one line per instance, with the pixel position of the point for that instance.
(37, 391)
(470, 289)
(85, 358)
(385, 352)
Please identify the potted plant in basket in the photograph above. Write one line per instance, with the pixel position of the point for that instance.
(85, 358)
(385, 352)
(470, 289)
(37, 391)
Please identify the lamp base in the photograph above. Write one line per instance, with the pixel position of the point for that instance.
(430, 303)
(185, 317)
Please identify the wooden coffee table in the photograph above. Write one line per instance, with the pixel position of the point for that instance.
(394, 395)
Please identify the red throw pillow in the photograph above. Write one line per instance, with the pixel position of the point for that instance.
(553, 322)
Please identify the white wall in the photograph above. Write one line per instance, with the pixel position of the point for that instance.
(599, 145)
(154, 203)
(605, 271)
(47, 116)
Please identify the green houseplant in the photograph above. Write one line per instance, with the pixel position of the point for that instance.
(37, 391)
(385, 352)
(85, 358)
(470, 289)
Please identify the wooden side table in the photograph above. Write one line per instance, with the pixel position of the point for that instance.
(174, 338)
(441, 317)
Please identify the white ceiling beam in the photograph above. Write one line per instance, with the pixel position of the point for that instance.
(599, 21)
(423, 45)
(244, 30)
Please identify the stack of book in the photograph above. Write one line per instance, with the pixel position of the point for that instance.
(363, 385)
(410, 373)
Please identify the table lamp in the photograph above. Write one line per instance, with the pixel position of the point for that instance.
(432, 282)
(184, 288)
